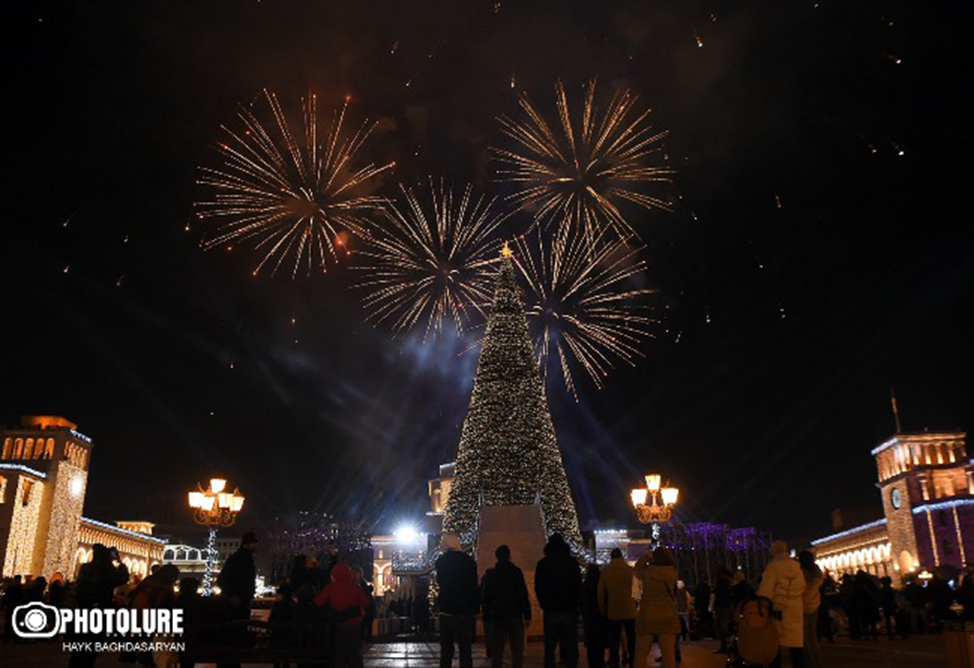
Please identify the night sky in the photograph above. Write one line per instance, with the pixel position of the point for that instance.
(820, 252)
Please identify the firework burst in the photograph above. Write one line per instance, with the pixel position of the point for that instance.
(578, 174)
(290, 195)
(581, 303)
(431, 262)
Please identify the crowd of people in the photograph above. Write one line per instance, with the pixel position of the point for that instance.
(626, 614)
(625, 611)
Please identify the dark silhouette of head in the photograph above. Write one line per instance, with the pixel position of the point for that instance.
(663, 557)
(249, 541)
(189, 587)
(503, 553)
(616, 553)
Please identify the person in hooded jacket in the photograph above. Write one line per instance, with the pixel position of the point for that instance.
(459, 600)
(658, 615)
(237, 579)
(784, 583)
(618, 606)
(506, 607)
(558, 586)
(344, 595)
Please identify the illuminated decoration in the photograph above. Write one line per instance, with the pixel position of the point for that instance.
(23, 527)
(76, 487)
(919, 474)
(579, 173)
(849, 532)
(137, 550)
(62, 523)
(943, 505)
(48, 535)
(24, 469)
(960, 536)
(662, 501)
(214, 508)
(431, 263)
(291, 194)
(586, 302)
(508, 452)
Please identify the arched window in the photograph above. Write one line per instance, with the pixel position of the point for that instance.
(8, 445)
(49, 450)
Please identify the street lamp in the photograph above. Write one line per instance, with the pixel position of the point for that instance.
(214, 508)
(660, 509)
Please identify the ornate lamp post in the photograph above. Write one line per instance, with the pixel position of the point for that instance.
(660, 509)
(214, 508)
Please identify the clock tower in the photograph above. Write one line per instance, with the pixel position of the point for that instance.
(928, 499)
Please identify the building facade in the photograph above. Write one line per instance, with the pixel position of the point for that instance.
(43, 480)
(926, 483)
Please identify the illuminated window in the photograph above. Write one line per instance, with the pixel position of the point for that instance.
(18, 448)
(8, 445)
(28, 485)
(49, 450)
(3, 488)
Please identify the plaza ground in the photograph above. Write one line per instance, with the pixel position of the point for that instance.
(917, 652)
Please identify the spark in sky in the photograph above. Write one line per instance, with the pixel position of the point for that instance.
(290, 195)
(585, 302)
(577, 172)
(429, 262)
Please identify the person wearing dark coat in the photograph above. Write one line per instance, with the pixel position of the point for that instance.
(459, 600)
(237, 579)
(701, 603)
(558, 586)
(723, 610)
(507, 607)
(96, 585)
(593, 623)
(13, 595)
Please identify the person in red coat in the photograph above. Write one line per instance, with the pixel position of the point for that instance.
(344, 595)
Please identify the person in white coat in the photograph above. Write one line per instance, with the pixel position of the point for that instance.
(784, 583)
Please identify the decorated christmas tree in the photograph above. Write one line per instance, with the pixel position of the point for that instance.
(508, 452)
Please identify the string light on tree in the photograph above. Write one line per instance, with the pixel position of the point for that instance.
(508, 453)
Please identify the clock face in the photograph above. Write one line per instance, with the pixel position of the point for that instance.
(894, 498)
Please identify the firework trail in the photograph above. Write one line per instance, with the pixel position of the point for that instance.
(579, 173)
(291, 195)
(430, 262)
(582, 303)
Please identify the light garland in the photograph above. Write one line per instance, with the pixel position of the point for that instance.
(24, 469)
(508, 453)
(127, 532)
(960, 537)
(64, 520)
(943, 505)
(849, 532)
(23, 529)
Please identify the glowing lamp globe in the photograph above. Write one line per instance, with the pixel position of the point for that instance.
(653, 482)
(669, 495)
(639, 497)
(217, 485)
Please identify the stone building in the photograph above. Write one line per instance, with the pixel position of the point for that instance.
(43, 480)
(926, 483)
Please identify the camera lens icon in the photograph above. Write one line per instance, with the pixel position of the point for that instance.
(36, 620)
